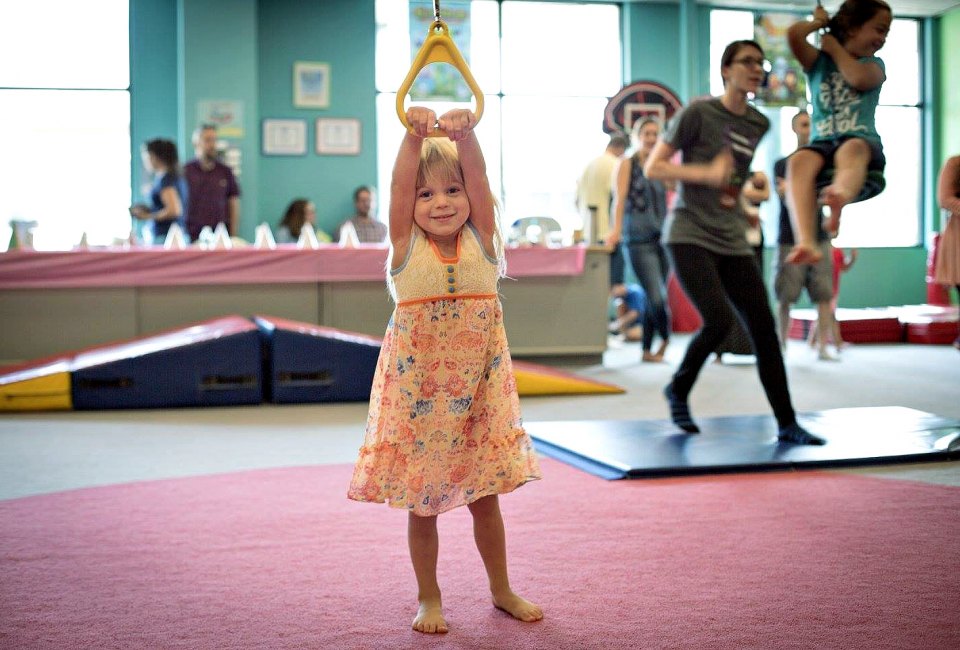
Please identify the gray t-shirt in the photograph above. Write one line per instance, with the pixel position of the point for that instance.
(700, 131)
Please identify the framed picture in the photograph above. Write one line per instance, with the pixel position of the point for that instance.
(284, 137)
(338, 136)
(311, 84)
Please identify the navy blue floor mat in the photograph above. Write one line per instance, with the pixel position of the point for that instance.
(615, 449)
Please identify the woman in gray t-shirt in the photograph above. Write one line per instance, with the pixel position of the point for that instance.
(705, 234)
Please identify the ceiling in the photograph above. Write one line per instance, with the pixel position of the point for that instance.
(904, 8)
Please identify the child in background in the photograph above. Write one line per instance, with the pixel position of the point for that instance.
(444, 427)
(629, 299)
(841, 264)
(845, 77)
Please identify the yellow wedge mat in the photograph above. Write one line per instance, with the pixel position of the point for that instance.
(534, 379)
(45, 393)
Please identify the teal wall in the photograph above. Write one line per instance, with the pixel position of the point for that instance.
(948, 106)
(184, 51)
(219, 49)
(187, 51)
(947, 103)
(342, 33)
(644, 59)
(154, 94)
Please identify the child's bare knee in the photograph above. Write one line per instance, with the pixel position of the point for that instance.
(855, 149)
(804, 164)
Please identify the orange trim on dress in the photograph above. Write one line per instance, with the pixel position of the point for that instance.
(452, 296)
(436, 250)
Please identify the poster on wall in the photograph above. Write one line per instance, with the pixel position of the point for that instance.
(786, 84)
(311, 84)
(225, 114)
(441, 81)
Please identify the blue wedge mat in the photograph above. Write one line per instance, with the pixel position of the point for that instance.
(616, 449)
(214, 363)
(307, 363)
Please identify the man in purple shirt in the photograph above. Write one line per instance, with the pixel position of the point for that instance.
(214, 194)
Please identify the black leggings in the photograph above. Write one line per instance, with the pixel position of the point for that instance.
(713, 282)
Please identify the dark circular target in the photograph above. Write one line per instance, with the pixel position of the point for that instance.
(637, 100)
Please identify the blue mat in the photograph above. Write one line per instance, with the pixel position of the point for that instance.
(615, 449)
(308, 363)
(214, 363)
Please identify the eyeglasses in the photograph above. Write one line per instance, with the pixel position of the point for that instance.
(750, 62)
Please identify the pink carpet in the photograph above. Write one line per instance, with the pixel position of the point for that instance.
(280, 559)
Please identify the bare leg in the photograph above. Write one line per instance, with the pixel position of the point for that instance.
(850, 162)
(824, 327)
(784, 324)
(837, 339)
(424, 545)
(492, 544)
(802, 170)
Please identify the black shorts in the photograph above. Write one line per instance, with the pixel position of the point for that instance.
(827, 149)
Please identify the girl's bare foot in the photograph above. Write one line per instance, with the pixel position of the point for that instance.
(430, 618)
(834, 198)
(519, 608)
(649, 356)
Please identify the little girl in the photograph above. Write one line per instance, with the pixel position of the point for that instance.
(444, 427)
(845, 80)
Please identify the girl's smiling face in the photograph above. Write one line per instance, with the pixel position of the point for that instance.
(870, 37)
(441, 208)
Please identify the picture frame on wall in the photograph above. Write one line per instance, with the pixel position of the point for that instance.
(284, 137)
(311, 84)
(338, 136)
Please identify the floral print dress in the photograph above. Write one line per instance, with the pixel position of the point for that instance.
(444, 426)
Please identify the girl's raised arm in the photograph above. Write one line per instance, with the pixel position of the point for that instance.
(797, 37)
(403, 184)
(458, 124)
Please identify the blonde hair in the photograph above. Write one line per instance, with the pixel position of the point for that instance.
(440, 161)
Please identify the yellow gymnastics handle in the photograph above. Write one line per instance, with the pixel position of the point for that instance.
(438, 48)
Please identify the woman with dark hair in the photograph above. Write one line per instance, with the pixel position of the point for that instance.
(705, 234)
(168, 194)
(299, 213)
(639, 209)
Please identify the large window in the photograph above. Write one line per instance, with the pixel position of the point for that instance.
(893, 218)
(64, 92)
(543, 108)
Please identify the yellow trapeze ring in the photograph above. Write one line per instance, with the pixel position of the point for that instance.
(438, 48)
